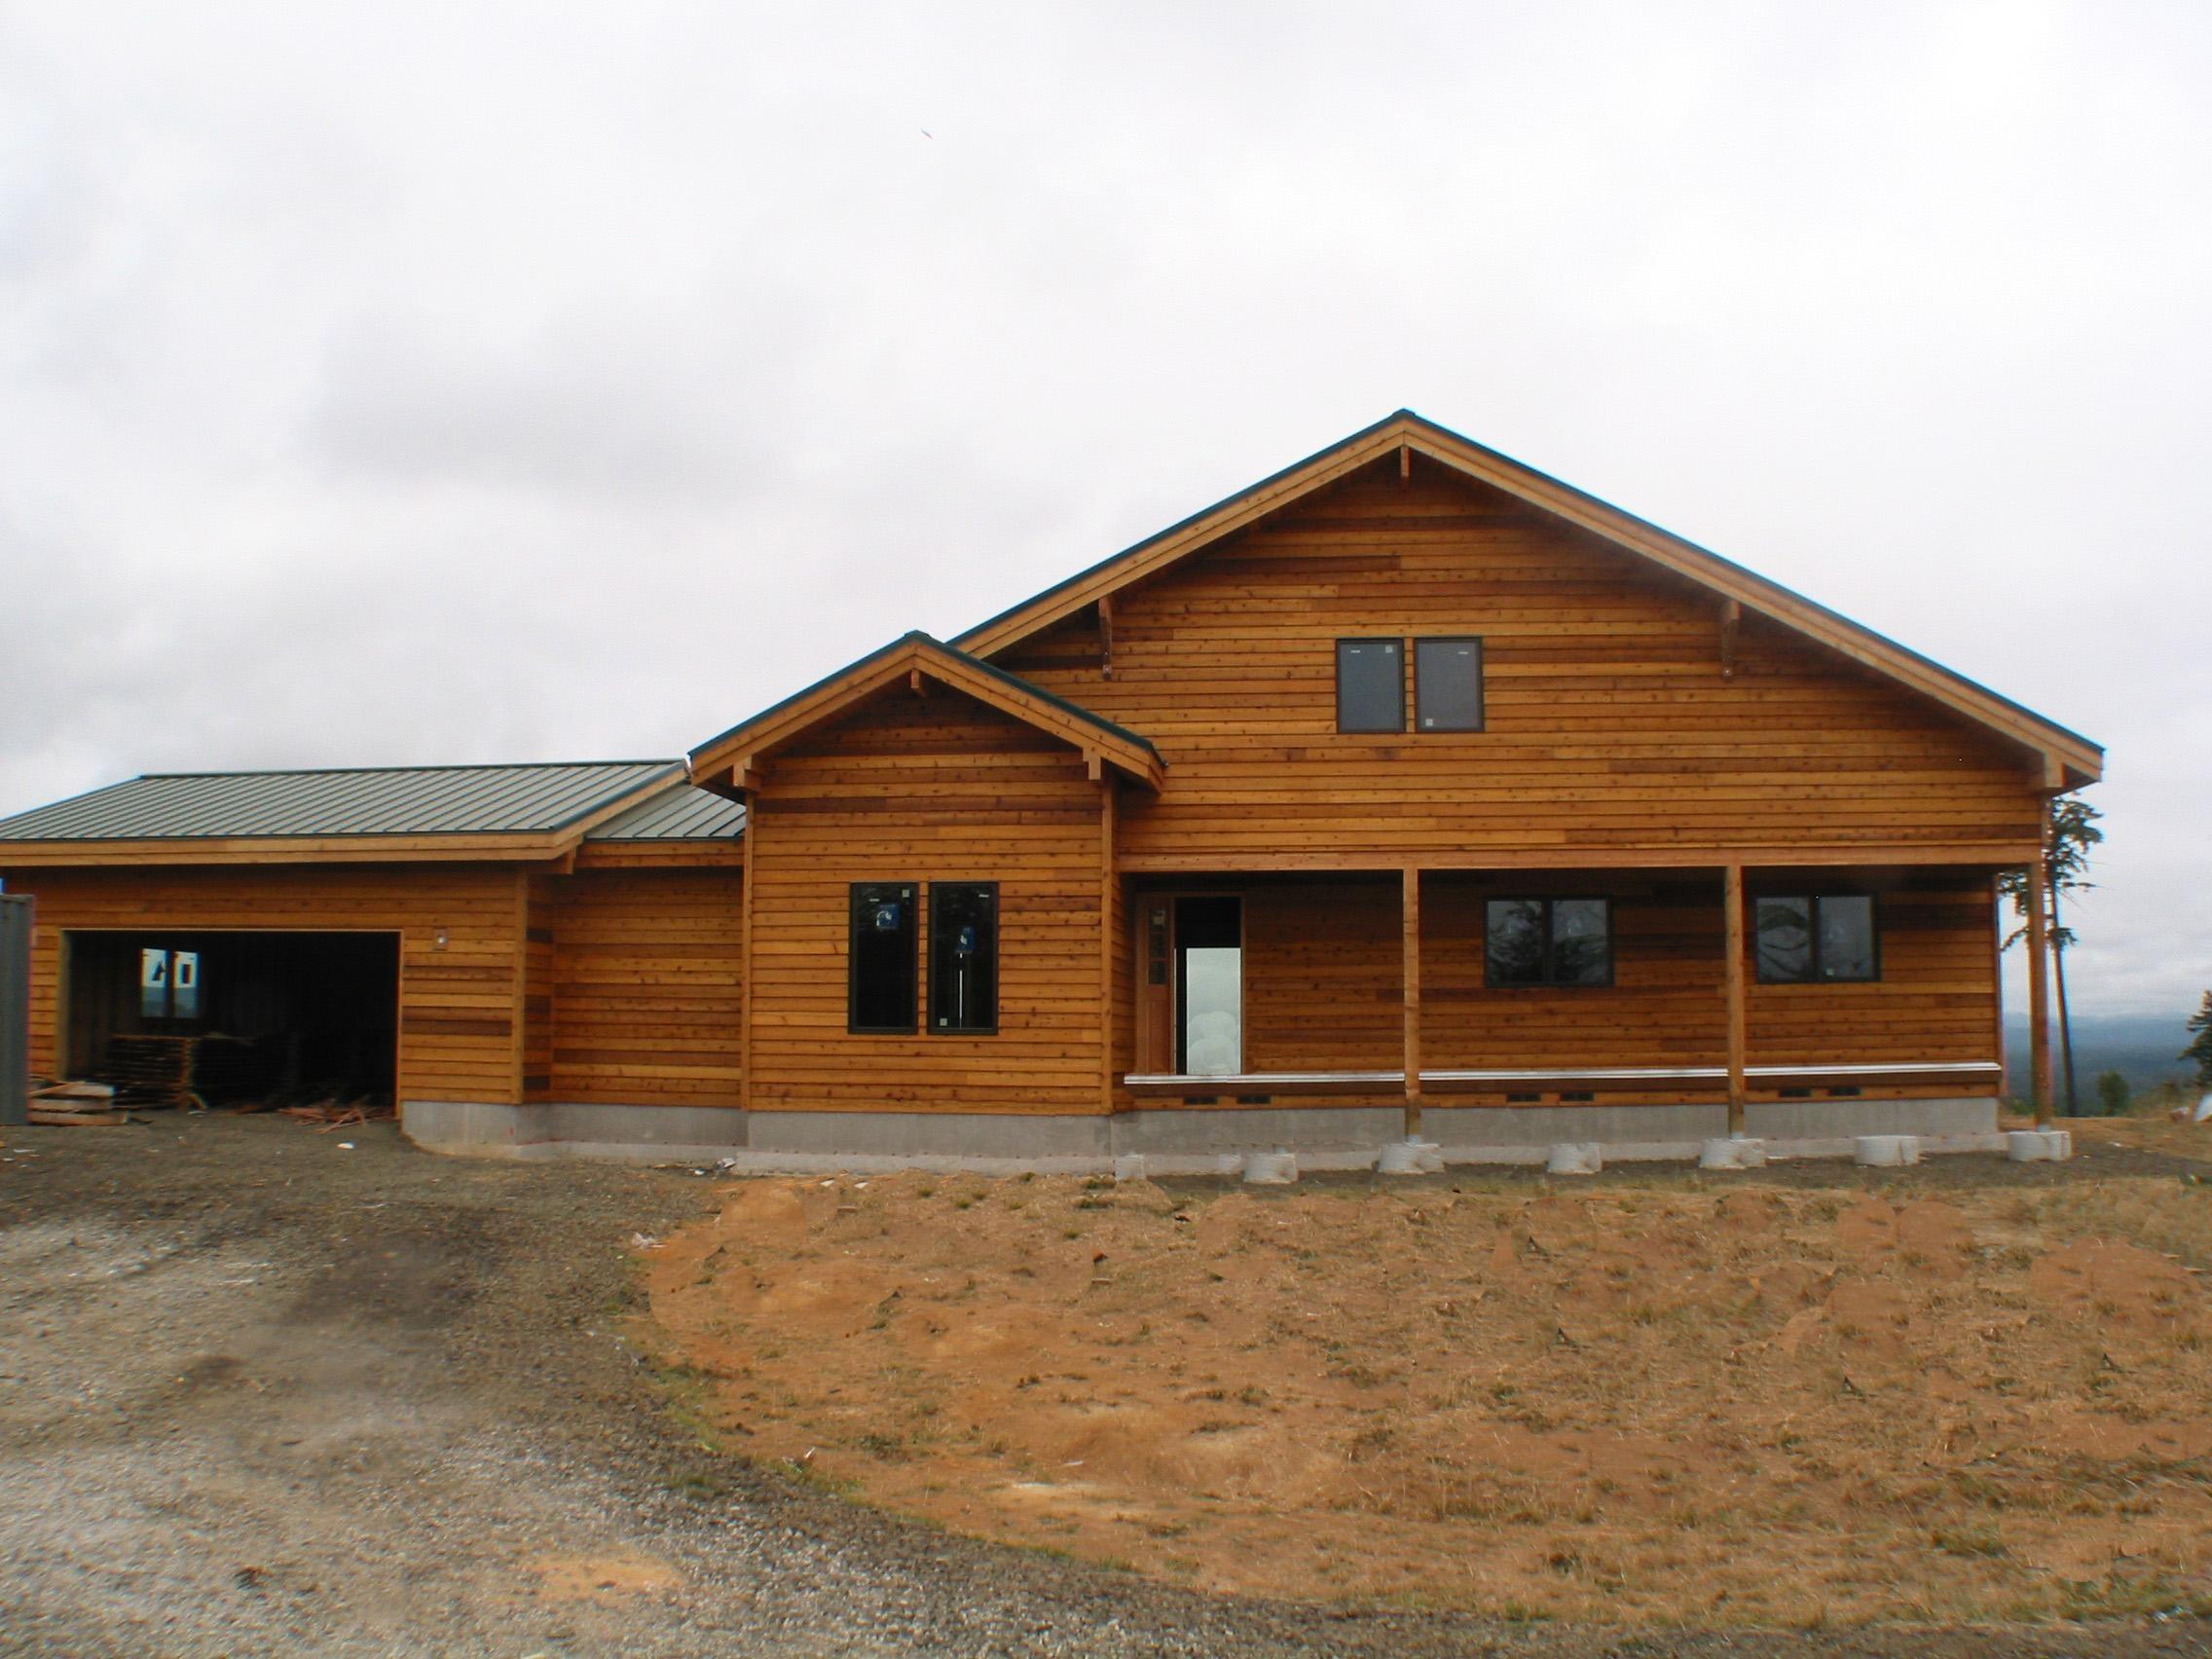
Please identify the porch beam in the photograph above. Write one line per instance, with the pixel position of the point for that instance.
(1733, 980)
(2039, 976)
(1231, 862)
(1409, 884)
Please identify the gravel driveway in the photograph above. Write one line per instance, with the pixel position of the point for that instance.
(261, 1393)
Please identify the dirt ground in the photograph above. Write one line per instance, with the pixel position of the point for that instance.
(1961, 1394)
(262, 1393)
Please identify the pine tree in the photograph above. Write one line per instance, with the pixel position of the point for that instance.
(2066, 864)
(2199, 1051)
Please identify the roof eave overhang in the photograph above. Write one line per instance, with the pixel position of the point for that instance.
(726, 765)
(286, 849)
(2069, 759)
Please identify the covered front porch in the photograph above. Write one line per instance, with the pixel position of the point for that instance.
(1744, 991)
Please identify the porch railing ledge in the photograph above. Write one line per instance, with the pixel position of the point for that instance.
(1354, 1081)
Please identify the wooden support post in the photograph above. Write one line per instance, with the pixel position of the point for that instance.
(1109, 908)
(1405, 463)
(2038, 975)
(1410, 889)
(1732, 901)
(747, 986)
(1106, 634)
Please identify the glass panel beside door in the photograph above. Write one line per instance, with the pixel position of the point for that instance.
(1209, 986)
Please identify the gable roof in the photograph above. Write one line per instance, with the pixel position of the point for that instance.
(371, 812)
(721, 762)
(2069, 758)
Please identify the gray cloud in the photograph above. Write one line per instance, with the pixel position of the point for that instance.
(505, 380)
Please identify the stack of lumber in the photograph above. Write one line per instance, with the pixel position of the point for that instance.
(189, 1071)
(75, 1105)
(150, 1071)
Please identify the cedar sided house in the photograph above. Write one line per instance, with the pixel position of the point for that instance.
(1409, 785)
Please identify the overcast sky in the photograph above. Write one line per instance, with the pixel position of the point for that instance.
(432, 383)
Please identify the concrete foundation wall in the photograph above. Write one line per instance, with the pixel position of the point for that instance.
(647, 1134)
(1454, 1127)
(1169, 1140)
(1826, 1120)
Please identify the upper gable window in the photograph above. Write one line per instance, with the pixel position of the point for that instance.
(1371, 685)
(1447, 684)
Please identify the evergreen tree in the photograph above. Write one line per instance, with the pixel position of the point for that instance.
(2199, 1049)
(2066, 864)
(2113, 1093)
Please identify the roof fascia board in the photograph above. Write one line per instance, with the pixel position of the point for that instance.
(1769, 598)
(282, 849)
(1563, 500)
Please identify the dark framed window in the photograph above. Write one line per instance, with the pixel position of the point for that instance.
(879, 966)
(1826, 937)
(963, 956)
(1447, 684)
(1548, 941)
(1371, 685)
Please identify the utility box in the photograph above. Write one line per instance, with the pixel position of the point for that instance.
(15, 1005)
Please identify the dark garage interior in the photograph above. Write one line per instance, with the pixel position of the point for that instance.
(218, 1018)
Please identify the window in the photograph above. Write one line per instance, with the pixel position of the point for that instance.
(963, 956)
(1550, 942)
(169, 984)
(1805, 940)
(1371, 685)
(1447, 684)
(880, 988)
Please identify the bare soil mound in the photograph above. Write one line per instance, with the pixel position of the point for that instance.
(1676, 1402)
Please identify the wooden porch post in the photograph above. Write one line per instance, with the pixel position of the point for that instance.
(1109, 908)
(748, 883)
(1410, 891)
(2038, 975)
(1733, 980)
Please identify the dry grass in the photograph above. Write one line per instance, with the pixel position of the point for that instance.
(1667, 1403)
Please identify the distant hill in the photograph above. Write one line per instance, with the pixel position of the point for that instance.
(2140, 1047)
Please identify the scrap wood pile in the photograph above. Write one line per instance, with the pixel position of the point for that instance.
(75, 1105)
(333, 1114)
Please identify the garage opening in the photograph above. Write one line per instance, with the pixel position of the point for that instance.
(175, 1018)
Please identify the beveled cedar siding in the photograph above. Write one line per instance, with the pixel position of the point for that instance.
(458, 1036)
(927, 789)
(646, 986)
(1936, 998)
(1611, 727)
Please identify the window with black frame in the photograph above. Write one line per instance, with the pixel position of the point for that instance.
(1548, 941)
(1448, 683)
(880, 962)
(1816, 938)
(1371, 685)
(963, 956)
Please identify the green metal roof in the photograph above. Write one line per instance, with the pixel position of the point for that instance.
(386, 801)
(678, 813)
